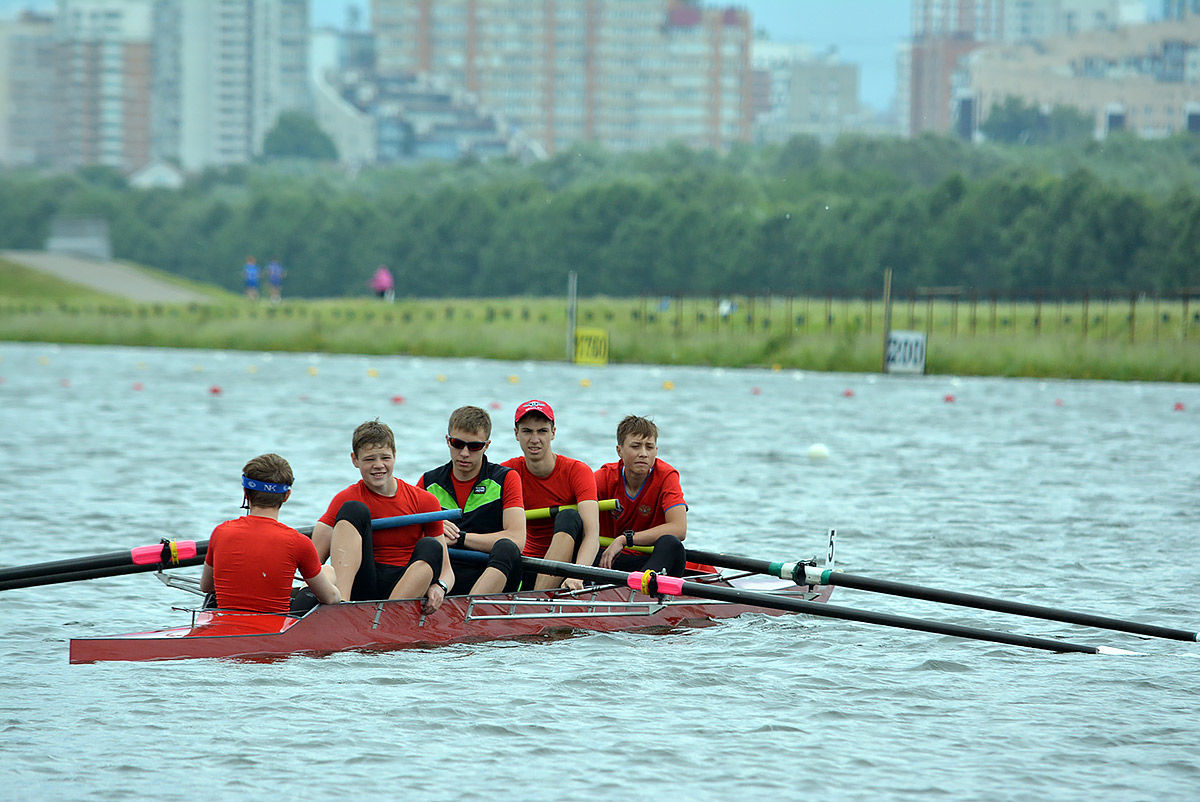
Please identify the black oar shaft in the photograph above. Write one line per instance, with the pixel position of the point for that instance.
(793, 604)
(954, 597)
(110, 560)
(92, 573)
(1007, 606)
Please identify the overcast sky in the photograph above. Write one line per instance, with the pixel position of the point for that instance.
(864, 31)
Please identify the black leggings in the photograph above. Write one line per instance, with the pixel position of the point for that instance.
(377, 580)
(505, 557)
(668, 557)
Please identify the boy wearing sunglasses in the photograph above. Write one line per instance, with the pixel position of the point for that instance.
(401, 562)
(489, 495)
(552, 480)
(650, 507)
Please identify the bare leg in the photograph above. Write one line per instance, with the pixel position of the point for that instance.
(562, 549)
(415, 582)
(492, 580)
(345, 556)
(321, 539)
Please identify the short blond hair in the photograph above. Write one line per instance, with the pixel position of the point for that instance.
(470, 419)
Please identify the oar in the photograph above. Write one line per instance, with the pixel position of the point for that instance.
(168, 554)
(550, 512)
(804, 574)
(653, 584)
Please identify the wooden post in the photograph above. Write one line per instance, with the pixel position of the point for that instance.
(887, 314)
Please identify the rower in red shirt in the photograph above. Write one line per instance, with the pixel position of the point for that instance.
(251, 560)
(650, 507)
(402, 562)
(552, 480)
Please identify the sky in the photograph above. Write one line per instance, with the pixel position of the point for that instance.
(865, 32)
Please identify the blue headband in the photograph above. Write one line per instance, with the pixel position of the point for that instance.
(264, 487)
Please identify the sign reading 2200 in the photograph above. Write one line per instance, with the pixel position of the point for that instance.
(905, 352)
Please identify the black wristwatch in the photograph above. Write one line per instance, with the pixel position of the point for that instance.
(462, 539)
(628, 533)
(445, 588)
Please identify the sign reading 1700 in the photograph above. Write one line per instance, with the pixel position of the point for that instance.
(591, 347)
(905, 352)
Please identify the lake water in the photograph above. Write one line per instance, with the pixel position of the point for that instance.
(1081, 495)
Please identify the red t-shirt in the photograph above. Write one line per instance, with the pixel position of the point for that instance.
(254, 558)
(570, 482)
(644, 510)
(392, 546)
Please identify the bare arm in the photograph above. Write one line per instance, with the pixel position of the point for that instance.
(589, 511)
(514, 529)
(323, 588)
(206, 579)
(675, 523)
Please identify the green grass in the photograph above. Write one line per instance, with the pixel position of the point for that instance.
(985, 338)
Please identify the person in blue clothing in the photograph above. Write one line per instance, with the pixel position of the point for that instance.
(250, 278)
(275, 274)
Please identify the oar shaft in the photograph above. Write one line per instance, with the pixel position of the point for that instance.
(793, 604)
(802, 574)
(1005, 606)
(93, 573)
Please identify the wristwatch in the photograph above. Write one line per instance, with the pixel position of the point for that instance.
(462, 539)
(445, 588)
(628, 533)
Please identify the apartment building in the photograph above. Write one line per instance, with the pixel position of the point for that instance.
(1142, 78)
(797, 92)
(27, 65)
(102, 83)
(629, 74)
(223, 72)
(946, 32)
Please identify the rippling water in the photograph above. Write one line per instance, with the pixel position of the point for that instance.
(1074, 494)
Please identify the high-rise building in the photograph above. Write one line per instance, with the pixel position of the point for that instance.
(1178, 9)
(797, 92)
(26, 107)
(224, 71)
(102, 82)
(946, 32)
(628, 74)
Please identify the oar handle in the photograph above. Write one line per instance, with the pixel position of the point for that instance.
(550, 512)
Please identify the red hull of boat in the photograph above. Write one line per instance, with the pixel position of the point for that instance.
(398, 624)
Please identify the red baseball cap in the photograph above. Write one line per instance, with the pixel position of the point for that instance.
(533, 405)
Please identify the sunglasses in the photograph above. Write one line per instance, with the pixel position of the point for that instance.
(470, 445)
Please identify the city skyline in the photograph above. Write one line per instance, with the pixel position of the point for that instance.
(864, 32)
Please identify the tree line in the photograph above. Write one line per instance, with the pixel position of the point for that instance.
(797, 218)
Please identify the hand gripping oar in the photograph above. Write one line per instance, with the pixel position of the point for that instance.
(550, 512)
(655, 584)
(167, 554)
(805, 574)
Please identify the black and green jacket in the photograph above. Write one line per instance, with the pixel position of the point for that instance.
(484, 511)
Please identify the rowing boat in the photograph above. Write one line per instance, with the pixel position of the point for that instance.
(397, 624)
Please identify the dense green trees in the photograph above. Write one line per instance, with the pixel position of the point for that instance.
(796, 218)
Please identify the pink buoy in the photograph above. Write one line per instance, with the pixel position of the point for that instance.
(1178, 406)
(65, 382)
(949, 398)
(137, 386)
(755, 391)
(397, 399)
(494, 405)
(214, 390)
(1058, 402)
(847, 393)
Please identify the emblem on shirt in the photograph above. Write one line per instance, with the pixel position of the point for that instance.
(479, 490)
(644, 509)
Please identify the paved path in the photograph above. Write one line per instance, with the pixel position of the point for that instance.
(110, 277)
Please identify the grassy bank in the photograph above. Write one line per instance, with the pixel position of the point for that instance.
(1131, 340)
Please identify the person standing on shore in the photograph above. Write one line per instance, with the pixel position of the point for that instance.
(552, 480)
(250, 278)
(275, 274)
(382, 283)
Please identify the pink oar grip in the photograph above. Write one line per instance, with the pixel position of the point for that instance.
(149, 555)
(634, 581)
(670, 585)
